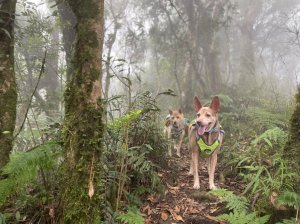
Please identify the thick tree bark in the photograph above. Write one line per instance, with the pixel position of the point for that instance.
(8, 92)
(292, 147)
(82, 195)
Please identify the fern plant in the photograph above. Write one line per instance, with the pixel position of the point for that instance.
(243, 218)
(239, 206)
(233, 202)
(291, 199)
(270, 137)
(23, 168)
(263, 169)
(289, 221)
(135, 146)
(132, 216)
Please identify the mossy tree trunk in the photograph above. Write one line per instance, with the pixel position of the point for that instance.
(82, 186)
(292, 148)
(8, 92)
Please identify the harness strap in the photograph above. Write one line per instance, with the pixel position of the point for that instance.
(205, 149)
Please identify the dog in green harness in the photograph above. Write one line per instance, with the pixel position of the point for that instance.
(205, 139)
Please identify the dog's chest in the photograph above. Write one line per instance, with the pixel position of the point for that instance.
(176, 133)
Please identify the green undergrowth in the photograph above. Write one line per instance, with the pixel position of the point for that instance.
(239, 209)
(28, 180)
(135, 151)
(256, 134)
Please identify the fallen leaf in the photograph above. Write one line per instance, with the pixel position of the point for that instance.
(164, 215)
(213, 210)
(151, 198)
(147, 210)
(173, 191)
(192, 210)
(51, 213)
(176, 209)
(214, 219)
(178, 217)
(171, 187)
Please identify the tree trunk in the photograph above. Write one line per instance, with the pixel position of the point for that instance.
(292, 148)
(189, 69)
(82, 188)
(50, 80)
(8, 92)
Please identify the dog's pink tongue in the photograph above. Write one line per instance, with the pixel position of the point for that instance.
(201, 130)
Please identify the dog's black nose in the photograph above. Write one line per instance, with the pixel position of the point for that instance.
(175, 122)
(199, 123)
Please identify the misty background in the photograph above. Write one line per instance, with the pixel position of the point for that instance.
(246, 52)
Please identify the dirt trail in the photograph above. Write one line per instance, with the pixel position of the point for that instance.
(181, 203)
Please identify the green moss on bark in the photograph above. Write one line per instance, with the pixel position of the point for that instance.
(83, 126)
(292, 148)
(84, 132)
(8, 93)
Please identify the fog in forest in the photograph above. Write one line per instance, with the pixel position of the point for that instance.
(157, 56)
(243, 49)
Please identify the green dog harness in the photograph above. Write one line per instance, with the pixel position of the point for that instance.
(207, 150)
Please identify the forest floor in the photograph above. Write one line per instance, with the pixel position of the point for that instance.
(180, 203)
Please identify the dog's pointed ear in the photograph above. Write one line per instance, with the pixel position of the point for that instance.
(180, 111)
(215, 104)
(197, 104)
(170, 112)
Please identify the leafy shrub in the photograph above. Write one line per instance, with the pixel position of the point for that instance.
(134, 150)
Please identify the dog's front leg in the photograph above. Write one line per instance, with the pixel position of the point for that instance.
(195, 168)
(191, 172)
(211, 167)
(178, 145)
(170, 143)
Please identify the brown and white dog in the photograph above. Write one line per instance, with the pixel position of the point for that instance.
(205, 139)
(175, 130)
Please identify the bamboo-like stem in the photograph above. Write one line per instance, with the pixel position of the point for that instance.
(124, 164)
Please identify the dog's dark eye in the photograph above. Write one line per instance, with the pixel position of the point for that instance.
(172, 118)
(207, 115)
(198, 115)
(177, 117)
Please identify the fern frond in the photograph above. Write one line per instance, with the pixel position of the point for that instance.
(234, 202)
(275, 135)
(240, 217)
(125, 120)
(264, 119)
(289, 198)
(133, 216)
(23, 168)
(288, 221)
